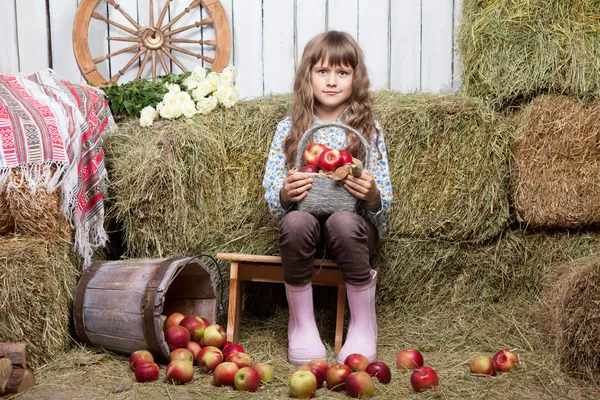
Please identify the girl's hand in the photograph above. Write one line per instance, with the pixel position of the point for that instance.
(295, 187)
(363, 188)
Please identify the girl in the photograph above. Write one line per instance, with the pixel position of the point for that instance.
(331, 84)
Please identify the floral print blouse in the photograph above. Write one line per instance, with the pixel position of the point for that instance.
(333, 137)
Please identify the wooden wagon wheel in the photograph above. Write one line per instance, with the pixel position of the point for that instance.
(155, 41)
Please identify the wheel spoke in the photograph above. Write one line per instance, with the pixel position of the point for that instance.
(181, 67)
(123, 39)
(113, 23)
(206, 21)
(207, 42)
(118, 8)
(163, 63)
(163, 13)
(153, 65)
(151, 13)
(181, 14)
(144, 61)
(116, 53)
(189, 53)
(128, 65)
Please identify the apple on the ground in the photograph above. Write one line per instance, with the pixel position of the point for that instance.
(322, 364)
(194, 348)
(312, 153)
(224, 374)
(232, 348)
(482, 365)
(409, 359)
(177, 337)
(359, 384)
(182, 353)
(505, 360)
(173, 320)
(303, 384)
(206, 323)
(215, 335)
(330, 160)
(139, 357)
(317, 372)
(240, 359)
(246, 379)
(265, 371)
(335, 376)
(423, 378)
(356, 362)
(146, 372)
(379, 370)
(180, 372)
(195, 327)
(210, 360)
(205, 350)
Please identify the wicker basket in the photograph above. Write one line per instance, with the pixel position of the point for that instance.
(328, 195)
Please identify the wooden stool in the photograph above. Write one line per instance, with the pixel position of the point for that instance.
(256, 268)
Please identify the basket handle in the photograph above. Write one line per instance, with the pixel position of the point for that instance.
(315, 128)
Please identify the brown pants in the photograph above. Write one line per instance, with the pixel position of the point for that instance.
(347, 236)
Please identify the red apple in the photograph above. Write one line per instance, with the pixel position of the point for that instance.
(146, 372)
(173, 320)
(317, 372)
(347, 157)
(309, 169)
(227, 343)
(210, 360)
(232, 348)
(322, 364)
(265, 372)
(206, 323)
(194, 348)
(240, 359)
(140, 357)
(180, 372)
(177, 337)
(194, 325)
(356, 362)
(379, 370)
(505, 360)
(201, 342)
(206, 350)
(182, 354)
(483, 365)
(409, 359)
(423, 378)
(359, 384)
(303, 384)
(163, 319)
(246, 379)
(335, 376)
(215, 335)
(224, 374)
(330, 160)
(312, 153)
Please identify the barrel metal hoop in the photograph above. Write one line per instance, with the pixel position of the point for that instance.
(87, 275)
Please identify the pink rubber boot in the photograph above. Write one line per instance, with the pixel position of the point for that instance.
(304, 342)
(362, 328)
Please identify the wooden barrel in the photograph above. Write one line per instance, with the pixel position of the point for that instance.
(118, 304)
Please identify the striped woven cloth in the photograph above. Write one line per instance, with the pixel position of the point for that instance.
(48, 123)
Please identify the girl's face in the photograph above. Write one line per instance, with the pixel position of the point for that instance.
(332, 87)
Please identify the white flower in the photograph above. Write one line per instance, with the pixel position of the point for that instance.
(173, 88)
(178, 111)
(205, 88)
(189, 108)
(184, 96)
(199, 73)
(148, 112)
(228, 75)
(146, 121)
(172, 98)
(190, 83)
(214, 78)
(206, 104)
(227, 95)
(167, 111)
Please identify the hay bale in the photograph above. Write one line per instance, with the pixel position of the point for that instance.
(7, 222)
(572, 315)
(514, 50)
(37, 284)
(555, 177)
(190, 186)
(449, 166)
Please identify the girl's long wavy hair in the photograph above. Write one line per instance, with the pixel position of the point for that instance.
(339, 49)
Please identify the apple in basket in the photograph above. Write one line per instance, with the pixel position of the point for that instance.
(335, 376)
(177, 337)
(309, 169)
(423, 378)
(266, 372)
(173, 320)
(505, 360)
(215, 335)
(246, 379)
(482, 365)
(140, 357)
(195, 327)
(206, 323)
(347, 157)
(356, 362)
(379, 370)
(240, 359)
(224, 374)
(312, 153)
(303, 384)
(359, 384)
(147, 372)
(330, 160)
(180, 372)
(316, 371)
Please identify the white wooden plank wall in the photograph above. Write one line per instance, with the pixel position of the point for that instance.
(409, 45)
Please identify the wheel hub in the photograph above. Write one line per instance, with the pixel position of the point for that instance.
(152, 38)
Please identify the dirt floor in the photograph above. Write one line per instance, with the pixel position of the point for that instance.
(448, 340)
